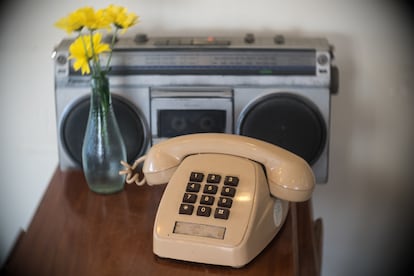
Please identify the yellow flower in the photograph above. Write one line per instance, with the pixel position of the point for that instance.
(84, 50)
(73, 22)
(84, 17)
(120, 17)
(96, 19)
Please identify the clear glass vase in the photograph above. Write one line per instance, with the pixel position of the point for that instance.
(103, 147)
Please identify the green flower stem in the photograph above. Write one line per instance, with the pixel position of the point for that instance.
(101, 99)
(96, 68)
(99, 79)
(112, 46)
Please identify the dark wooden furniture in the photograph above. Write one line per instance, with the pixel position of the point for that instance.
(77, 232)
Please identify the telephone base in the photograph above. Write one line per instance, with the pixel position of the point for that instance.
(183, 231)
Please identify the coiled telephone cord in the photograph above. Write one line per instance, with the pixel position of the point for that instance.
(132, 175)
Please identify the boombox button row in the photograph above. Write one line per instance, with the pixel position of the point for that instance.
(210, 41)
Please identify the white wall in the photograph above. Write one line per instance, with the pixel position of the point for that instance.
(365, 204)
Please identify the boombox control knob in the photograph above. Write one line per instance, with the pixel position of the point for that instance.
(279, 39)
(141, 38)
(61, 59)
(249, 38)
(323, 59)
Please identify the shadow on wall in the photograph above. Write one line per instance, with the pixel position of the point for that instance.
(366, 204)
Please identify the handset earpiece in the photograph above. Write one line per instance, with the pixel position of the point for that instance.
(291, 182)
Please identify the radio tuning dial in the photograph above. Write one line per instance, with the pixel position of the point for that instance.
(249, 38)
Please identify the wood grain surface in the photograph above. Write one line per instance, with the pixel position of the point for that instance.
(78, 232)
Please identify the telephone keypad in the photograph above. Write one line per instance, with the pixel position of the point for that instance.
(207, 199)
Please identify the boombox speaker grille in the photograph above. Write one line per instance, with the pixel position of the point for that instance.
(287, 121)
(130, 122)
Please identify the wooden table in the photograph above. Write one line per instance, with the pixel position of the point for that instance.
(78, 232)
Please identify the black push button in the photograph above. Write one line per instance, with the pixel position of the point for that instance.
(210, 189)
(213, 178)
(196, 177)
(228, 191)
(225, 202)
(222, 213)
(186, 209)
(189, 198)
(206, 199)
(231, 180)
(193, 187)
(203, 211)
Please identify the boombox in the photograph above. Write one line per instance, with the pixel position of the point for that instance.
(275, 89)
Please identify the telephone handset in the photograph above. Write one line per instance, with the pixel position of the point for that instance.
(289, 176)
(220, 206)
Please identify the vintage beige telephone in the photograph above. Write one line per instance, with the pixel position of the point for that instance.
(220, 206)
